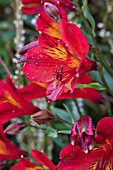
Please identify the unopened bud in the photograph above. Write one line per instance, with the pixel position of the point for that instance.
(15, 128)
(22, 59)
(2, 164)
(28, 46)
(51, 10)
(42, 117)
(83, 133)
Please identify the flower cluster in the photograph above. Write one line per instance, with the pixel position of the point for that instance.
(55, 63)
(100, 156)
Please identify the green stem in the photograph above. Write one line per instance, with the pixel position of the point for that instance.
(79, 111)
(37, 127)
(4, 66)
(99, 54)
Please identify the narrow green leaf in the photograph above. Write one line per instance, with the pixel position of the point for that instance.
(65, 131)
(96, 86)
(69, 112)
(84, 7)
(91, 20)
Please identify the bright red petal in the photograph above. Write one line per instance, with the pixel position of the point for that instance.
(7, 149)
(44, 62)
(68, 4)
(105, 130)
(42, 159)
(86, 65)
(72, 158)
(48, 25)
(12, 103)
(33, 91)
(85, 93)
(39, 67)
(74, 38)
(58, 50)
(25, 164)
(32, 6)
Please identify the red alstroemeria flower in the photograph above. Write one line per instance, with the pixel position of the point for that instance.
(57, 61)
(12, 103)
(83, 133)
(37, 90)
(51, 7)
(7, 149)
(39, 157)
(99, 158)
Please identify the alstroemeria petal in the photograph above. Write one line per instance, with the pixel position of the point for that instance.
(34, 90)
(36, 6)
(40, 67)
(87, 65)
(12, 103)
(48, 25)
(53, 47)
(83, 92)
(71, 157)
(41, 158)
(74, 38)
(83, 133)
(105, 130)
(25, 164)
(32, 6)
(7, 149)
(58, 50)
(9, 111)
(67, 4)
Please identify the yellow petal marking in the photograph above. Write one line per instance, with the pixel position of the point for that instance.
(54, 30)
(3, 149)
(8, 98)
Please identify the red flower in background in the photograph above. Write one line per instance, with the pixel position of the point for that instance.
(7, 149)
(59, 58)
(39, 157)
(83, 133)
(99, 158)
(51, 7)
(12, 103)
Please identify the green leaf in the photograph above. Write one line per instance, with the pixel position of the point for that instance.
(84, 7)
(65, 131)
(69, 112)
(96, 86)
(51, 132)
(91, 20)
(4, 2)
(88, 16)
(61, 113)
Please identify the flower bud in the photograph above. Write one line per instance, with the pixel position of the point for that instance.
(42, 117)
(2, 164)
(83, 133)
(28, 47)
(51, 10)
(15, 128)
